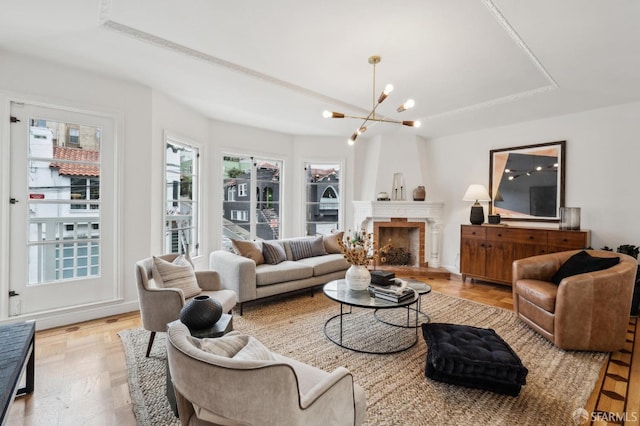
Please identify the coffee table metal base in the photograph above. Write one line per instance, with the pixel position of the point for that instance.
(338, 340)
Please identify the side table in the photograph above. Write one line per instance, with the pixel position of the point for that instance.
(219, 329)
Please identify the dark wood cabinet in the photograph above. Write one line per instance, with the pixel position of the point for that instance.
(487, 251)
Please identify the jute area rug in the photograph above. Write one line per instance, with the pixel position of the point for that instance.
(559, 382)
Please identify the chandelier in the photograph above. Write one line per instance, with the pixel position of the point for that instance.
(373, 60)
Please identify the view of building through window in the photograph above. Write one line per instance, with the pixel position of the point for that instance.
(64, 201)
(323, 201)
(250, 213)
(181, 195)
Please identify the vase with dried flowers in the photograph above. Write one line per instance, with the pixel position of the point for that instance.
(359, 250)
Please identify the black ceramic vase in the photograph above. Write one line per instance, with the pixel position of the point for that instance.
(201, 312)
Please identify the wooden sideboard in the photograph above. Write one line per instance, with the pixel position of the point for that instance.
(487, 251)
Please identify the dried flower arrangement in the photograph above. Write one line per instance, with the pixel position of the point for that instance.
(359, 248)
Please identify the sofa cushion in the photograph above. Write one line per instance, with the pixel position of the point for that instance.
(326, 264)
(248, 249)
(581, 263)
(176, 274)
(473, 357)
(331, 242)
(273, 253)
(284, 271)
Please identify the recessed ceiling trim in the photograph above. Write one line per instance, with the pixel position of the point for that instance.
(518, 40)
(493, 102)
(196, 54)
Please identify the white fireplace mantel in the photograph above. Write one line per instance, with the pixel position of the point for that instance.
(367, 212)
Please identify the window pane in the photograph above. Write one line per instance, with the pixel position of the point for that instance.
(251, 189)
(64, 198)
(323, 204)
(181, 192)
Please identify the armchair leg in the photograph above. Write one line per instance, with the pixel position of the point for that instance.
(153, 336)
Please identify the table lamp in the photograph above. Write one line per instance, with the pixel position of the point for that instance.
(476, 193)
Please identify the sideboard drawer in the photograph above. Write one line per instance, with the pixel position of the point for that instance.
(517, 235)
(569, 239)
(473, 231)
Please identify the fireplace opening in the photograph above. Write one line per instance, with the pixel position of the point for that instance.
(406, 240)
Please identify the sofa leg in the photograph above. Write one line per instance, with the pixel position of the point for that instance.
(153, 336)
(241, 306)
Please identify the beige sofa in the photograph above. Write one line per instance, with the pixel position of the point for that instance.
(251, 281)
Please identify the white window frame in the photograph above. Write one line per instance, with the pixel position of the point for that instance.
(195, 247)
(242, 190)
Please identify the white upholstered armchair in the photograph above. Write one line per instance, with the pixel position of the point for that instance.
(258, 388)
(159, 306)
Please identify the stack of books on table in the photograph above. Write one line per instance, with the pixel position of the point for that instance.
(393, 293)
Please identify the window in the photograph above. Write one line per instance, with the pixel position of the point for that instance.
(74, 136)
(242, 190)
(240, 215)
(181, 197)
(323, 202)
(84, 189)
(255, 213)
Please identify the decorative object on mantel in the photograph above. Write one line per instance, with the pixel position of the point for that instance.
(419, 193)
(570, 218)
(397, 191)
(201, 312)
(476, 193)
(373, 60)
(383, 196)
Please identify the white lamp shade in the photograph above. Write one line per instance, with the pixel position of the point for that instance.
(476, 192)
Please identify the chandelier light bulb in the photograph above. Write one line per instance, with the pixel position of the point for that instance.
(388, 89)
(407, 105)
(326, 114)
(417, 124)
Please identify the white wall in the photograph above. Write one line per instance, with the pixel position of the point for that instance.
(601, 171)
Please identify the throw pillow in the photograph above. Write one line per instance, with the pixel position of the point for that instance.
(176, 274)
(331, 242)
(273, 253)
(300, 249)
(227, 346)
(317, 246)
(248, 249)
(254, 350)
(581, 263)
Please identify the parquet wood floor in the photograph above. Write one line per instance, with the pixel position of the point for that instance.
(81, 376)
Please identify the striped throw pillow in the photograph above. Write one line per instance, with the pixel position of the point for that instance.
(273, 253)
(176, 274)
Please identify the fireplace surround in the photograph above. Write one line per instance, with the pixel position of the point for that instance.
(421, 221)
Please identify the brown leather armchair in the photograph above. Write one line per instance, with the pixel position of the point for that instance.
(588, 311)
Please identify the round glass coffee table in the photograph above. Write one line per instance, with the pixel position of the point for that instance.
(360, 332)
(420, 288)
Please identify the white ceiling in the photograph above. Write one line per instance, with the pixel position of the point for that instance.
(469, 64)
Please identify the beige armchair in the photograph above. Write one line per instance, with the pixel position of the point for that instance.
(160, 306)
(215, 389)
(588, 311)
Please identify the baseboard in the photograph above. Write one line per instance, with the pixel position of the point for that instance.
(77, 314)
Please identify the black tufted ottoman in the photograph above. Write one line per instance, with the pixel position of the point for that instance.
(472, 357)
